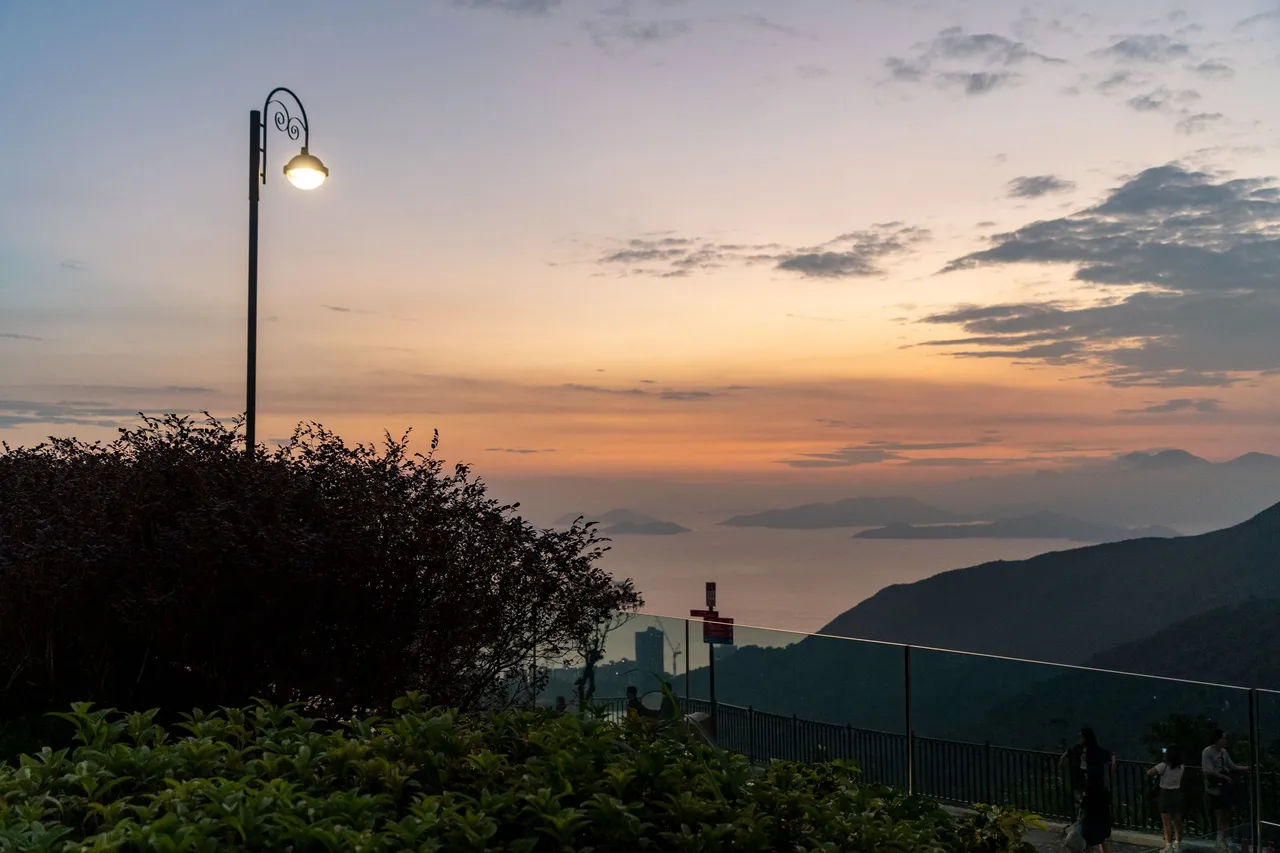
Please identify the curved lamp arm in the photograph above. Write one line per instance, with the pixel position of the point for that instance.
(294, 126)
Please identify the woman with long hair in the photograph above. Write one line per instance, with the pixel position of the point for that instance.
(1086, 763)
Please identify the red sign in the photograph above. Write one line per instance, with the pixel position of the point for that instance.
(703, 614)
(711, 595)
(718, 630)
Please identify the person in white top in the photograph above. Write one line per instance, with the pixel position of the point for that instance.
(1171, 799)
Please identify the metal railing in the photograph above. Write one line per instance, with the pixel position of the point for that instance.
(959, 727)
(951, 772)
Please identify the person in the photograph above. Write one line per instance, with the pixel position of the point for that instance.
(1171, 800)
(1219, 784)
(1086, 763)
(561, 705)
(1095, 814)
(635, 710)
(668, 709)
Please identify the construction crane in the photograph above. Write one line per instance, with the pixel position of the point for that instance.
(675, 653)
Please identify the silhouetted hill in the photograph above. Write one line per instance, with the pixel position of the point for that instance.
(624, 522)
(1069, 605)
(851, 512)
(1162, 461)
(648, 528)
(1037, 525)
(1254, 461)
(1234, 645)
(1238, 644)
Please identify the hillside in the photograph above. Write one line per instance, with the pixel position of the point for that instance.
(851, 512)
(1069, 605)
(1238, 644)
(1036, 525)
(627, 522)
(1235, 645)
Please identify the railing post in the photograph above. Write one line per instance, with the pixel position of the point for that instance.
(988, 796)
(686, 663)
(751, 733)
(1255, 778)
(911, 735)
(795, 738)
(848, 743)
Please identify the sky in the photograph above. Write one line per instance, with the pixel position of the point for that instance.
(800, 245)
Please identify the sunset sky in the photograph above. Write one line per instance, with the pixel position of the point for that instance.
(804, 242)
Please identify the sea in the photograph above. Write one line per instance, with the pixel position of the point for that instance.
(792, 580)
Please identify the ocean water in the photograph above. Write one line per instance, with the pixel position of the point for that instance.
(794, 580)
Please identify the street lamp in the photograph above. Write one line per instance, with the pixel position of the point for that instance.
(304, 171)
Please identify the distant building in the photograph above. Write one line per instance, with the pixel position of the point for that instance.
(651, 653)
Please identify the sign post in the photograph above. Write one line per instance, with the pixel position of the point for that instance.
(717, 630)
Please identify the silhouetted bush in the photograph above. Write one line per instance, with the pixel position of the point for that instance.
(267, 778)
(167, 569)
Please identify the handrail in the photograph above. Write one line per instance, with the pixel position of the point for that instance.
(1035, 783)
(984, 655)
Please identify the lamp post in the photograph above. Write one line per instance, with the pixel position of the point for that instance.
(304, 171)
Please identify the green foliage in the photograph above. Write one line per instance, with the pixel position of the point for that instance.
(268, 778)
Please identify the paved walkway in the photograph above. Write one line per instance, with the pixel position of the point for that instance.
(1050, 841)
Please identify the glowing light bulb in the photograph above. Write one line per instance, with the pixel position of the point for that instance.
(305, 171)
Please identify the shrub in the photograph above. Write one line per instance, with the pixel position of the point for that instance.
(167, 568)
(266, 778)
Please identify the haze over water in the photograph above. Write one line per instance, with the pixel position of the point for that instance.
(795, 580)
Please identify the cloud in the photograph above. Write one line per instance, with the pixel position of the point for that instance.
(665, 394)
(1260, 18)
(1189, 266)
(605, 33)
(1151, 101)
(1206, 405)
(1214, 68)
(1197, 122)
(815, 319)
(15, 413)
(955, 43)
(976, 82)
(14, 336)
(513, 7)
(845, 457)
(941, 59)
(874, 452)
(1118, 80)
(1163, 99)
(71, 264)
(1146, 49)
(1034, 186)
(857, 254)
(812, 72)
(596, 389)
(905, 71)
(854, 255)
(343, 309)
(686, 396)
(519, 450)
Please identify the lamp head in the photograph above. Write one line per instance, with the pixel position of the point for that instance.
(305, 171)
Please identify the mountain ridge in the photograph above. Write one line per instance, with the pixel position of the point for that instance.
(1037, 525)
(1065, 606)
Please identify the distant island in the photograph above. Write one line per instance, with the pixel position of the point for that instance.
(626, 522)
(851, 512)
(1037, 525)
